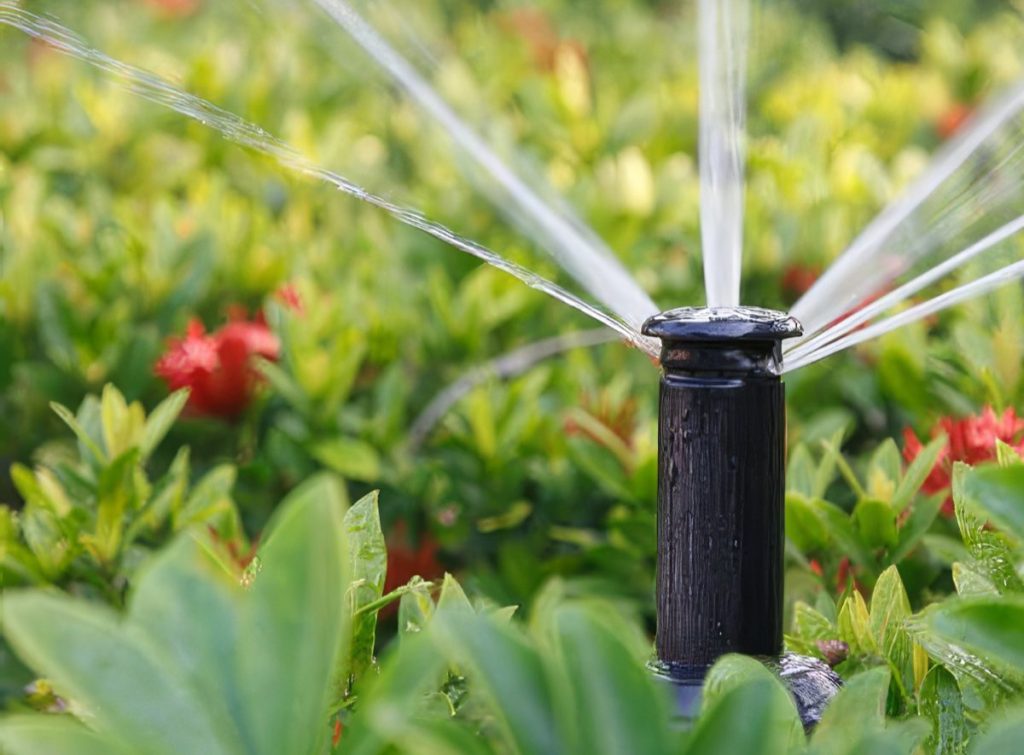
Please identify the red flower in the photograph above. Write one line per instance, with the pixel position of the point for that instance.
(174, 8)
(406, 560)
(217, 367)
(797, 278)
(336, 734)
(951, 120)
(971, 440)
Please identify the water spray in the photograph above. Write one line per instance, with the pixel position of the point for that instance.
(721, 490)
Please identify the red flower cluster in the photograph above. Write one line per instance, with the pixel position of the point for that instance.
(971, 440)
(217, 367)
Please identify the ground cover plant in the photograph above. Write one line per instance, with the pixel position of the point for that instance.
(203, 360)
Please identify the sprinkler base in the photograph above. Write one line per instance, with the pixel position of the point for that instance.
(810, 681)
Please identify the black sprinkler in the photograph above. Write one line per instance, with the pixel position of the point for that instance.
(721, 490)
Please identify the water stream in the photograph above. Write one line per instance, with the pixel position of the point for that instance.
(966, 206)
(549, 222)
(155, 89)
(723, 30)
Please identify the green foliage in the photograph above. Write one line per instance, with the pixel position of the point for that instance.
(91, 511)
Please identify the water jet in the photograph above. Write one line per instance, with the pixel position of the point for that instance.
(721, 489)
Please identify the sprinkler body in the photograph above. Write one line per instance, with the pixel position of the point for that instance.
(721, 489)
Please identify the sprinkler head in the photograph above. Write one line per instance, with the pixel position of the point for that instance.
(722, 339)
(721, 490)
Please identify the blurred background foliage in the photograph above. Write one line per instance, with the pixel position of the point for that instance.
(121, 224)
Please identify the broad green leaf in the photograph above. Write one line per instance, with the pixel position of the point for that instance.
(389, 704)
(28, 734)
(189, 605)
(992, 554)
(890, 608)
(135, 694)
(917, 472)
(842, 532)
(804, 524)
(160, 421)
(858, 709)
(755, 718)
(1004, 737)
(876, 521)
(989, 626)
(617, 705)
(368, 564)
(349, 457)
(733, 671)
(970, 583)
(295, 614)
(943, 705)
(800, 472)
(999, 491)
(898, 738)
(809, 626)
(506, 672)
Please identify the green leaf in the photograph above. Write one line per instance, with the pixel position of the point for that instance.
(1003, 738)
(989, 626)
(876, 521)
(160, 422)
(917, 472)
(854, 625)
(210, 502)
(970, 583)
(943, 705)
(389, 706)
(884, 471)
(890, 608)
(133, 693)
(368, 563)
(999, 491)
(507, 673)
(914, 528)
(349, 457)
(804, 524)
(1007, 455)
(754, 717)
(857, 710)
(296, 615)
(800, 473)
(452, 598)
(29, 734)
(842, 532)
(992, 554)
(415, 610)
(84, 437)
(189, 605)
(616, 705)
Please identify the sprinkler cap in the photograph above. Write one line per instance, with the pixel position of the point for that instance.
(722, 324)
